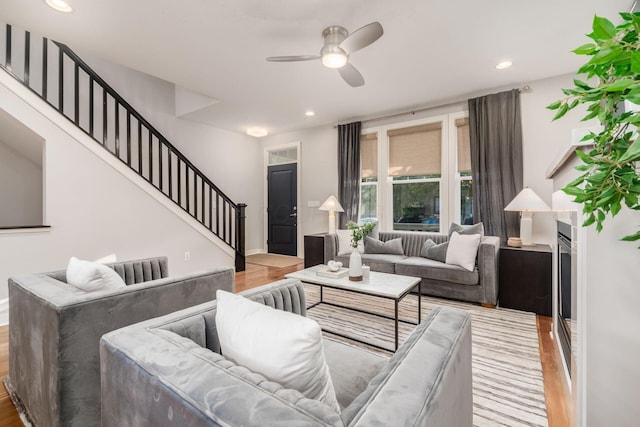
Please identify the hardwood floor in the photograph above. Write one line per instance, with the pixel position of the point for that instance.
(556, 390)
(8, 415)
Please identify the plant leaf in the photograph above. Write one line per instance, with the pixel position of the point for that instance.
(618, 86)
(633, 152)
(632, 237)
(585, 49)
(589, 221)
(606, 55)
(561, 111)
(603, 29)
(554, 105)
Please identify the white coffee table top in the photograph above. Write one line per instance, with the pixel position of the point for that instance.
(379, 284)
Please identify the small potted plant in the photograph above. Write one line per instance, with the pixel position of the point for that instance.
(355, 260)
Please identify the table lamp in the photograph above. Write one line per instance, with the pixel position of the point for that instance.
(332, 205)
(527, 202)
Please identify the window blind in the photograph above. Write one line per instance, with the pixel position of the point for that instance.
(415, 150)
(369, 155)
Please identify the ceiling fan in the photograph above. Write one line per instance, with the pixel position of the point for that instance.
(338, 45)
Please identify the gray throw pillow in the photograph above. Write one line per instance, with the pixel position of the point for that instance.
(433, 251)
(390, 247)
(467, 229)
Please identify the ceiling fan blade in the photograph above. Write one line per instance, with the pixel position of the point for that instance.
(362, 37)
(292, 58)
(351, 75)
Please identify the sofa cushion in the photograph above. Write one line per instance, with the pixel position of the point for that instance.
(382, 263)
(477, 228)
(282, 346)
(351, 369)
(463, 250)
(344, 243)
(433, 251)
(92, 276)
(375, 246)
(430, 269)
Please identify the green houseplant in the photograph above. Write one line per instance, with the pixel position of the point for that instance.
(359, 231)
(609, 175)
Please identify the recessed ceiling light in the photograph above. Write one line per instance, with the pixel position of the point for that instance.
(257, 132)
(60, 5)
(503, 65)
(309, 113)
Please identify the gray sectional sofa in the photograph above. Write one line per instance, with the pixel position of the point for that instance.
(438, 279)
(169, 372)
(55, 331)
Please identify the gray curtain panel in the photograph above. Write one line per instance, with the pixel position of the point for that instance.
(349, 171)
(495, 131)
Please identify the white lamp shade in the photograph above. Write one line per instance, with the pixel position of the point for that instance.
(331, 204)
(527, 200)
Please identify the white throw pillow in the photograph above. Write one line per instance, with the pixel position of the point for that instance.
(344, 243)
(282, 346)
(92, 276)
(463, 249)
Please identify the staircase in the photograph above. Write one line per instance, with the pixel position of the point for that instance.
(64, 81)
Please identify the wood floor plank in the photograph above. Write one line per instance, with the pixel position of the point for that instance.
(255, 275)
(556, 389)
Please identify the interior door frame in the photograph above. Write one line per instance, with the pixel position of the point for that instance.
(266, 165)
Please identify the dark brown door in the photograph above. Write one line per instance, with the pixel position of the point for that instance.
(282, 209)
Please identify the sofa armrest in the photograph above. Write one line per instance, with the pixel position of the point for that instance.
(330, 247)
(430, 375)
(286, 294)
(488, 255)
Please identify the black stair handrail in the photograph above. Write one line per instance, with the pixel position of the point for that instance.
(229, 216)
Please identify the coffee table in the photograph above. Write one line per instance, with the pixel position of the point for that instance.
(389, 286)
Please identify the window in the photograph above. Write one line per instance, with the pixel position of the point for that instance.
(417, 175)
(369, 176)
(415, 155)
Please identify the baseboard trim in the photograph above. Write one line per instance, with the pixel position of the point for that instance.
(255, 252)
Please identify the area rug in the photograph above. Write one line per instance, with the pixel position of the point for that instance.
(508, 387)
(20, 409)
(273, 260)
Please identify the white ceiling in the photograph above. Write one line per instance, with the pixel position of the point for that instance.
(432, 50)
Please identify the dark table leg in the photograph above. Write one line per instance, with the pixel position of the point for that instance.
(420, 301)
(396, 321)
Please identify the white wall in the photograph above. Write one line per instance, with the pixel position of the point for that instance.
(612, 337)
(542, 140)
(232, 161)
(94, 211)
(20, 189)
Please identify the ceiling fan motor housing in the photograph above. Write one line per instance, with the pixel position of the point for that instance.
(333, 36)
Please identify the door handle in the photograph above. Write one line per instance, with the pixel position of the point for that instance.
(294, 214)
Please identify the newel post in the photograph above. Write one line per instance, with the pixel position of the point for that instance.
(240, 236)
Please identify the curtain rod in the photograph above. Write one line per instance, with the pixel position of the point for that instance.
(524, 88)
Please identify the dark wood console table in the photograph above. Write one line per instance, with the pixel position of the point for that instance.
(525, 278)
(313, 249)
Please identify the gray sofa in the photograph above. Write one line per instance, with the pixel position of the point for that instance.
(54, 332)
(438, 279)
(169, 372)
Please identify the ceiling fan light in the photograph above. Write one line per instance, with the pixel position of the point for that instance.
(334, 60)
(60, 5)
